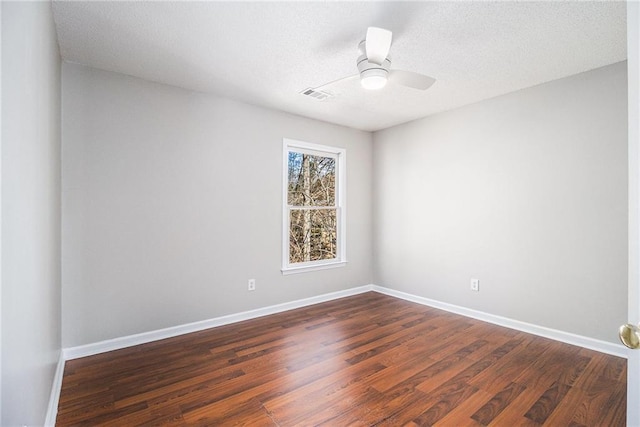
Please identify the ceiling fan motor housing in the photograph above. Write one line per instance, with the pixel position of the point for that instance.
(367, 68)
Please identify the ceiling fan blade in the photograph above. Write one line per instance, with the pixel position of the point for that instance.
(377, 44)
(342, 80)
(411, 79)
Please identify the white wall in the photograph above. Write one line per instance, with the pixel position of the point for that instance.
(633, 58)
(526, 191)
(1, 211)
(172, 200)
(31, 330)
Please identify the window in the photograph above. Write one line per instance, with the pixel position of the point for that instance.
(313, 207)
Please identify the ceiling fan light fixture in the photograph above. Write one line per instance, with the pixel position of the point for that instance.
(373, 78)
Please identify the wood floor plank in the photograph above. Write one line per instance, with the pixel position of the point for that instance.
(615, 408)
(323, 392)
(291, 384)
(514, 414)
(497, 404)
(547, 403)
(364, 360)
(462, 414)
(511, 365)
(596, 401)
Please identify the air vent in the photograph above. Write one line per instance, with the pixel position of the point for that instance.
(317, 94)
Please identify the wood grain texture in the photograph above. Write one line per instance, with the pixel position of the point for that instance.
(364, 360)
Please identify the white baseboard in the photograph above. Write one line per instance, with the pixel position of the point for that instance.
(145, 337)
(554, 334)
(52, 409)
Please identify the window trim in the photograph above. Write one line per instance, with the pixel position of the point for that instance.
(341, 185)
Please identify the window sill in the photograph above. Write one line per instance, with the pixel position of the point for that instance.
(306, 268)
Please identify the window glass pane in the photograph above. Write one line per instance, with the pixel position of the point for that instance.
(312, 235)
(312, 180)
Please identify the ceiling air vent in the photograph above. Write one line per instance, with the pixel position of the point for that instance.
(317, 94)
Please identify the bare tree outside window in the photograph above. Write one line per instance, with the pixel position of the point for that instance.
(311, 196)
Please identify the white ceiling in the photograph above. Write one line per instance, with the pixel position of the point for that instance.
(265, 53)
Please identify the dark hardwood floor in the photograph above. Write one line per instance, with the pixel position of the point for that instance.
(364, 360)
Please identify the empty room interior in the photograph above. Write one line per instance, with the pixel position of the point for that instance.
(320, 213)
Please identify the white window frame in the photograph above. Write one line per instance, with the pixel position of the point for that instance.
(340, 154)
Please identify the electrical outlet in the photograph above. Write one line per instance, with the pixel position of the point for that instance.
(252, 285)
(475, 285)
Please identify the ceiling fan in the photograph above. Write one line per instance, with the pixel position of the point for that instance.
(374, 64)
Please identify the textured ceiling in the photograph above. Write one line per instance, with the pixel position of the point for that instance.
(265, 53)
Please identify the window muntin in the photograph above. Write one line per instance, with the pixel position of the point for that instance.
(313, 216)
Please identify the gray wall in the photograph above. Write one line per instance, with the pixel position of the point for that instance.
(172, 200)
(527, 192)
(30, 211)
